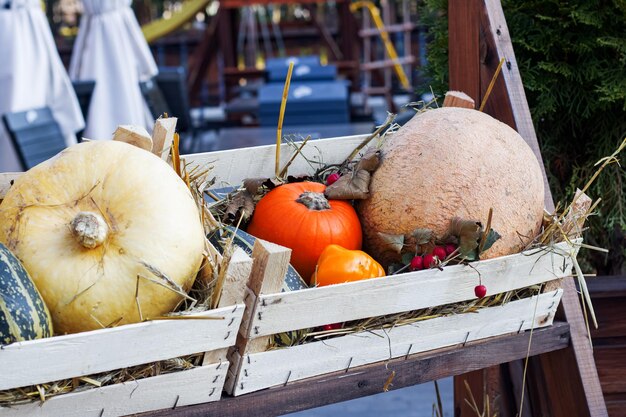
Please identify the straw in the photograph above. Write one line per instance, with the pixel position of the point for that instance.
(491, 85)
(281, 116)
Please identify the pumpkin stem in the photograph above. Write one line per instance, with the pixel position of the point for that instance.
(313, 201)
(89, 229)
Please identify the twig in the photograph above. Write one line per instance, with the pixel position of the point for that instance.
(390, 118)
(283, 171)
(281, 116)
(606, 161)
(491, 84)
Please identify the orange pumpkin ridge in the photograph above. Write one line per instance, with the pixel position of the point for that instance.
(295, 216)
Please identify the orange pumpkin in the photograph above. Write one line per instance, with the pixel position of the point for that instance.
(299, 217)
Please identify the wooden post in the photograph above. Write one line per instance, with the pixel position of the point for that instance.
(163, 136)
(269, 267)
(233, 292)
(479, 38)
(463, 46)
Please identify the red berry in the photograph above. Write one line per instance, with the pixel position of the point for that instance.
(417, 263)
(333, 326)
(332, 178)
(450, 248)
(429, 260)
(440, 252)
(480, 291)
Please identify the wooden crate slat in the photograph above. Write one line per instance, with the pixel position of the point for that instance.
(276, 367)
(194, 386)
(232, 166)
(97, 351)
(282, 312)
(369, 379)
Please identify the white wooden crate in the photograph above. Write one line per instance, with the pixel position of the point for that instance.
(280, 366)
(62, 357)
(269, 311)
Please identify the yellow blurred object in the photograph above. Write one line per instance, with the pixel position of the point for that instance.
(163, 27)
(391, 50)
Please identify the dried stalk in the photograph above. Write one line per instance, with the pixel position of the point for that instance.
(281, 116)
(283, 171)
(491, 84)
(390, 118)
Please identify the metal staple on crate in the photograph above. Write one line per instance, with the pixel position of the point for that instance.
(349, 363)
(520, 326)
(409, 351)
(212, 391)
(215, 379)
(219, 365)
(227, 334)
(466, 338)
(232, 319)
(176, 402)
(101, 412)
(288, 376)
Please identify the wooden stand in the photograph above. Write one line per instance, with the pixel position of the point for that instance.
(562, 380)
(564, 383)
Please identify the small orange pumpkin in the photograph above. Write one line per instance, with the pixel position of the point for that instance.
(299, 217)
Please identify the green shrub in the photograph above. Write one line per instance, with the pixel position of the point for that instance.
(572, 57)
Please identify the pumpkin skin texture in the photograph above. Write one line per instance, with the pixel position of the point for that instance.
(23, 314)
(280, 219)
(454, 162)
(87, 223)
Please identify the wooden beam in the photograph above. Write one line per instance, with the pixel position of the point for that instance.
(582, 394)
(325, 34)
(402, 27)
(463, 47)
(370, 379)
(201, 58)
(512, 104)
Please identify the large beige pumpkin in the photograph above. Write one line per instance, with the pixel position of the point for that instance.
(454, 162)
(87, 223)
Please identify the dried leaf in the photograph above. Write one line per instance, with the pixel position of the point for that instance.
(242, 202)
(422, 236)
(469, 233)
(252, 185)
(351, 186)
(369, 162)
(490, 239)
(297, 178)
(393, 243)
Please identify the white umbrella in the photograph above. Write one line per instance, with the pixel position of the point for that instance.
(32, 74)
(111, 50)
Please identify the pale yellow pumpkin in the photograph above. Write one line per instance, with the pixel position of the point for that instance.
(103, 228)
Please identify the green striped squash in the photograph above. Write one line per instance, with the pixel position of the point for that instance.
(23, 314)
